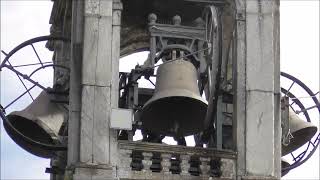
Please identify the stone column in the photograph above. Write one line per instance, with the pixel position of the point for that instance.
(185, 165)
(257, 89)
(97, 155)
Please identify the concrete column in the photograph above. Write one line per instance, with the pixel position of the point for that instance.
(257, 90)
(115, 56)
(95, 155)
(75, 82)
(239, 84)
(277, 91)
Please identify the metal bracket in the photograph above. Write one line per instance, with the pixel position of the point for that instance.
(285, 138)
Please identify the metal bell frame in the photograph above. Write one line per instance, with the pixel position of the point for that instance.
(311, 145)
(43, 65)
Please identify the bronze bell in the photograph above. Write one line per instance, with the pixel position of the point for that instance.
(40, 121)
(301, 131)
(176, 107)
(284, 164)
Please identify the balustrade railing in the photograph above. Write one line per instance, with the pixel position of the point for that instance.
(141, 160)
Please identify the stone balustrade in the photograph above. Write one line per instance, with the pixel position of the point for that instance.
(141, 160)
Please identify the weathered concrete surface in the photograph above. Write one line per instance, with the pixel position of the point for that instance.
(277, 92)
(96, 82)
(257, 89)
(260, 78)
(93, 172)
(239, 85)
(95, 154)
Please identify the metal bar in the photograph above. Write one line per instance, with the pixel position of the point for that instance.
(25, 76)
(218, 123)
(22, 82)
(290, 88)
(34, 49)
(306, 109)
(49, 65)
(32, 64)
(187, 55)
(4, 53)
(312, 144)
(292, 103)
(151, 82)
(305, 97)
(294, 158)
(292, 109)
(19, 97)
(25, 87)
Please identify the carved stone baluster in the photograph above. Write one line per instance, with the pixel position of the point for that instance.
(147, 161)
(185, 164)
(166, 163)
(227, 168)
(205, 166)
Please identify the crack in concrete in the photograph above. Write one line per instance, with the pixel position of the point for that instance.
(260, 90)
(260, 120)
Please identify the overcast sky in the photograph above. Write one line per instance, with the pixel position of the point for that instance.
(22, 20)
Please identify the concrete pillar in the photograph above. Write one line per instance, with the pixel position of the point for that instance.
(257, 95)
(115, 57)
(75, 84)
(92, 147)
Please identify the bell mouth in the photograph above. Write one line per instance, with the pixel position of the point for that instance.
(174, 115)
(300, 137)
(32, 130)
(284, 164)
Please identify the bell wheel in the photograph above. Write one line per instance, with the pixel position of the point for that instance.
(27, 70)
(304, 105)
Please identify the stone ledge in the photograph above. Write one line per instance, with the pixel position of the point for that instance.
(258, 178)
(92, 166)
(153, 147)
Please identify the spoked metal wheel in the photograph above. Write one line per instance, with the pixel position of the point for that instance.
(307, 107)
(26, 71)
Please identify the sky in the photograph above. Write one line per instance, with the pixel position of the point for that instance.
(23, 20)
(299, 55)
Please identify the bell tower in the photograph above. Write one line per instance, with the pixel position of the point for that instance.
(195, 36)
(214, 73)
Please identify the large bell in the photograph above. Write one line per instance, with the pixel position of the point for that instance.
(176, 107)
(40, 121)
(301, 131)
(284, 164)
